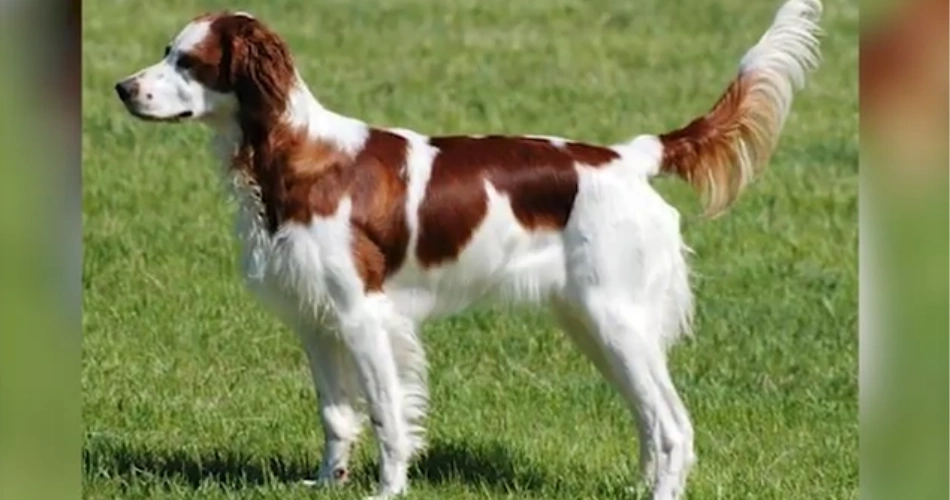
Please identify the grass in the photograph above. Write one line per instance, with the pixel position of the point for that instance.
(192, 391)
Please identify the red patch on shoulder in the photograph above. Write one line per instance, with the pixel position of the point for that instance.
(378, 191)
(318, 178)
(307, 178)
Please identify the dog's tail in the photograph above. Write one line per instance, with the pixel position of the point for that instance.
(719, 152)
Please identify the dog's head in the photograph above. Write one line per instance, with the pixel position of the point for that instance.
(219, 67)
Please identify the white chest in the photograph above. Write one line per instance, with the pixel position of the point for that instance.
(256, 247)
(282, 270)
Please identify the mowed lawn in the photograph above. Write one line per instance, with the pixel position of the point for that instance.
(193, 391)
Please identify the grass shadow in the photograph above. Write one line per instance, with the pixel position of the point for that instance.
(478, 464)
(482, 464)
(226, 467)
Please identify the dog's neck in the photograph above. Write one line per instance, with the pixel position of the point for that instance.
(302, 112)
(257, 150)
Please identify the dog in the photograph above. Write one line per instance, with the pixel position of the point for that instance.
(355, 234)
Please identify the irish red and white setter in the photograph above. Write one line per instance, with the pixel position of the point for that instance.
(354, 234)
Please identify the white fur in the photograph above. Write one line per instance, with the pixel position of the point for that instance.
(304, 111)
(778, 64)
(615, 277)
(558, 142)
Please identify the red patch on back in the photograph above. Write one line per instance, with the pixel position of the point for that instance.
(539, 177)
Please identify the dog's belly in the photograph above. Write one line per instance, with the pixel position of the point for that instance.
(505, 267)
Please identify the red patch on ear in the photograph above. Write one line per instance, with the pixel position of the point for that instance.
(255, 64)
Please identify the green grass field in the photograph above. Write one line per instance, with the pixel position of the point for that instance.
(193, 391)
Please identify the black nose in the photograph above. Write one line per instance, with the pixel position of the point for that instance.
(124, 89)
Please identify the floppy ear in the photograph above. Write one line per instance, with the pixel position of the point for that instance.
(261, 69)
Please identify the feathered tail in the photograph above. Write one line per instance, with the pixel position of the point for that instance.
(719, 152)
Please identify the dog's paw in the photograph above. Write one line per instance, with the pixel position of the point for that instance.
(329, 479)
(388, 495)
(313, 483)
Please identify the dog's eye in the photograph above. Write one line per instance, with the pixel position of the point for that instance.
(186, 62)
(168, 50)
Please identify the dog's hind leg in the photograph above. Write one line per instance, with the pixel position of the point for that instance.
(575, 326)
(622, 332)
(624, 254)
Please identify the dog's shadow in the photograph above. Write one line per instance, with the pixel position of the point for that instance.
(478, 464)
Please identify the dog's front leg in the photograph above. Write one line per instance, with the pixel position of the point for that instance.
(363, 333)
(334, 377)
